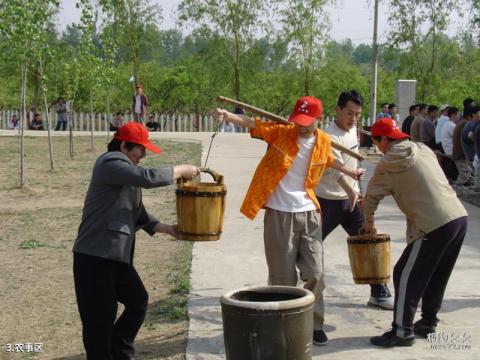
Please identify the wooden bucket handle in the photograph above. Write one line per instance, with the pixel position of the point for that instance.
(216, 176)
(373, 232)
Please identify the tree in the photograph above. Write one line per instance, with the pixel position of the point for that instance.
(416, 28)
(22, 25)
(234, 22)
(89, 60)
(305, 25)
(130, 20)
(475, 18)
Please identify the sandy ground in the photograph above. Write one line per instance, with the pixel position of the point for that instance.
(38, 225)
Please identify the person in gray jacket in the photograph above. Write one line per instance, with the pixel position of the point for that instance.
(103, 251)
(436, 227)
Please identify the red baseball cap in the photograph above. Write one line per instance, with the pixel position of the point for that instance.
(389, 128)
(306, 110)
(136, 133)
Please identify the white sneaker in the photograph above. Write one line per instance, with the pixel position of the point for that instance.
(385, 303)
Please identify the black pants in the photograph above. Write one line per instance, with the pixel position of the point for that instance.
(337, 212)
(61, 125)
(99, 285)
(423, 271)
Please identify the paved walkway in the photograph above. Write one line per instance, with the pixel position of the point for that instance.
(237, 260)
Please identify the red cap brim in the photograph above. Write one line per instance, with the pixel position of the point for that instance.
(397, 135)
(153, 148)
(302, 119)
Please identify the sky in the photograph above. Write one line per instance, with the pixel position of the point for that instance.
(349, 19)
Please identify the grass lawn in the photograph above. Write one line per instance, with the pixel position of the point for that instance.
(38, 225)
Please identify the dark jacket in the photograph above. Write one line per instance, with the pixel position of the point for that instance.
(143, 100)
(457, 151)
(407, 123)
(113, 209)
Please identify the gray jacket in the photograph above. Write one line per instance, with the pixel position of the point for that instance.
(113, 209)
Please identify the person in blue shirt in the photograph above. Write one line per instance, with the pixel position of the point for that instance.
(468, 132)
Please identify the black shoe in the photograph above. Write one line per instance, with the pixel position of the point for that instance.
(423, 327)
(319, 337)
(389, 339)
(380, 291)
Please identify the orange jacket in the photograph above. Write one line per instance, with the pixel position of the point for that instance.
(283, 148)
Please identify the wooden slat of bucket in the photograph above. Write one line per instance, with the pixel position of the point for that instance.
(369, 258)
(200, 210)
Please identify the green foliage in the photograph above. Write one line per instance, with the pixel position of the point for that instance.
(174, 307)
(227, 54)
(31, 244)
(131, 21)
(305, 26)
(233, 22)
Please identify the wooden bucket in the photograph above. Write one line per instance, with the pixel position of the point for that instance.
(200, 208)
(369, 258)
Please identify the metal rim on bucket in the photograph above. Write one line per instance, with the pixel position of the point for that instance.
(306, 298)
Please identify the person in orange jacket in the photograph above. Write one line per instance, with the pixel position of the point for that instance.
(283, 184)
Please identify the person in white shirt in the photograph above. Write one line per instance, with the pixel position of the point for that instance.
(227, 126)
(446, 135)
(442, 120)
(13, 123)
(446, 143)
(338, 195)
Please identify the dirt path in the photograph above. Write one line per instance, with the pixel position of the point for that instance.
(38, 225)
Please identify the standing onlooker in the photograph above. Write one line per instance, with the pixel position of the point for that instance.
(407, 123)
(61, 109)
(117, 122)
(417, 122)
(463, 167)
(468, 102)
(384, 112)
(139, 105)
(427, 129)
(239, 111)
(468, 131)
(476, 160)
(442, 120)
(227, 126)
(446, 143)
(392, 111)
(152, 124)
(37, 122)
(446, 135)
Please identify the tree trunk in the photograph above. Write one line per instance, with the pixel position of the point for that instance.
(47, 114)
(92, 118)
(70, 130)
(307, 79)
(108, 116)
(36, 84)
(22, 125)
(136, 68)
(236, 65)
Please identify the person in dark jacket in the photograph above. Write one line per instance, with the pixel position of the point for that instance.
(139, 105)
(414, 110)
(37, 122)
(104, 249)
